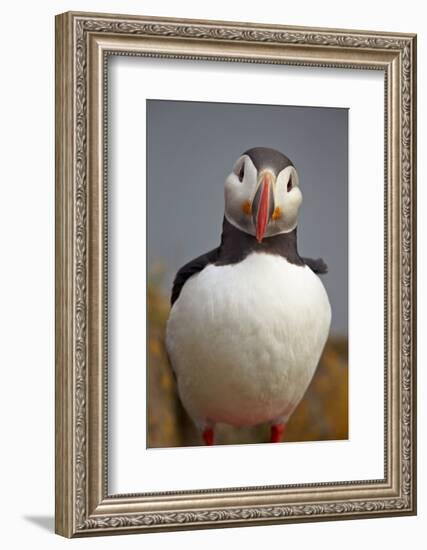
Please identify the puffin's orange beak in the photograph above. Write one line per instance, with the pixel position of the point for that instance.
(263, 205)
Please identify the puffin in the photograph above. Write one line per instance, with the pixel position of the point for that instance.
(249, 319)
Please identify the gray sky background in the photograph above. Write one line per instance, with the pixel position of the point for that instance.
(192, 147)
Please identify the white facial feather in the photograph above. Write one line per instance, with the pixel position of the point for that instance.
(240, 193)
(288, 198)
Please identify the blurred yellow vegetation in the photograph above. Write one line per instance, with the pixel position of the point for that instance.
(321, 415)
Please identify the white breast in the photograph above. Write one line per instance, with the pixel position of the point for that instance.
(245, 339)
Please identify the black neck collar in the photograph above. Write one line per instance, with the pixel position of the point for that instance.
(236, 245)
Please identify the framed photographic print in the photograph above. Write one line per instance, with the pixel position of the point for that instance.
(235, 274)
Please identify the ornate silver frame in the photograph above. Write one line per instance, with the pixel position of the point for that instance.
(83, 42)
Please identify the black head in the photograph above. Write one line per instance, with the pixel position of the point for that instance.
(265, 158)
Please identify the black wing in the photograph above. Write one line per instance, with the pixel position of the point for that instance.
(318, 266)
(190, 269)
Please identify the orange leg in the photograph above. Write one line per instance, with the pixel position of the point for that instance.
(208, 436)
(277, 431)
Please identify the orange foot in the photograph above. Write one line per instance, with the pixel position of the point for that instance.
(277, 431)
(208, 436)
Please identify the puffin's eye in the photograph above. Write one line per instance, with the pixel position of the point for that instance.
(289, 184)
(241, 172)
